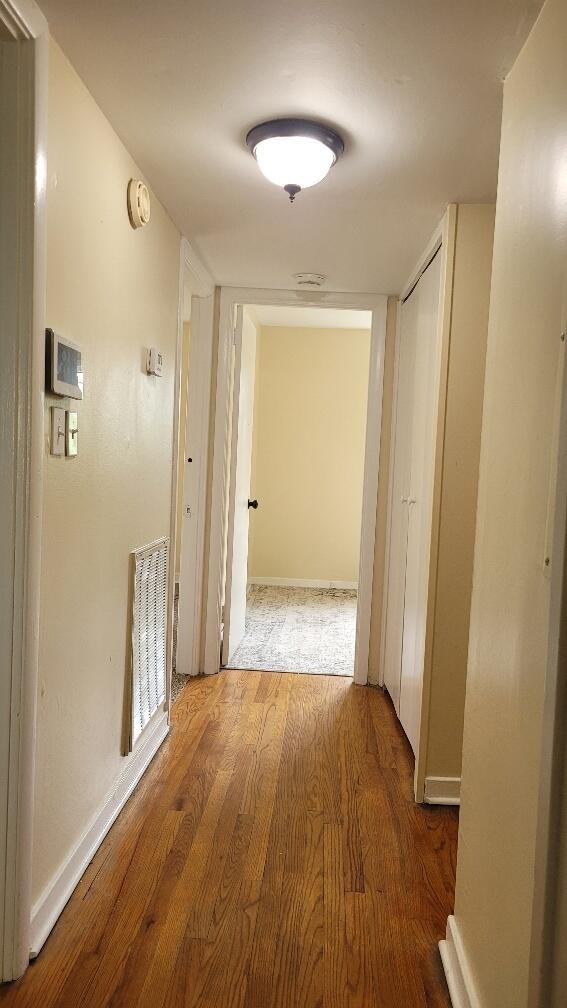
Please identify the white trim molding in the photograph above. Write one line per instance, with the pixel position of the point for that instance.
(52, 901)
(201, 283)
(230, 297)
(23, 19)
(23, 146)
(457, 970)
(195, 286)
(275, 582)
(197, 434)
(442, 790)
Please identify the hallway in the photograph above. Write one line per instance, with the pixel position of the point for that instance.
(271, 856)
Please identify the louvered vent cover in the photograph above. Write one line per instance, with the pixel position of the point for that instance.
(149, 634)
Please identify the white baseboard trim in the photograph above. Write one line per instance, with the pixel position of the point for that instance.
(53, 899)
(298, 583)
(442, 790)
(457, 970)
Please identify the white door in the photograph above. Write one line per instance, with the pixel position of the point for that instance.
(420, 504)
(396, 576)
(239, 485)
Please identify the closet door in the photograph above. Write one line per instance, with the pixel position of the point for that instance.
(396, 575)
(420, 503)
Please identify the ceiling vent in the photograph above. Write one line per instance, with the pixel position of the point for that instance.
(310, 279)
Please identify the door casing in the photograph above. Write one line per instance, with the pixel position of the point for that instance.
(196, 297)
(230, 298)
(23, 129)
(442, 242)
(239, 485)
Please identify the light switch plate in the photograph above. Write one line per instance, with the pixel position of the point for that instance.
(154, 362)
(57, 441)
(71, 433)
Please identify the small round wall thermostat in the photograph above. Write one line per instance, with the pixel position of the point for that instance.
(138, 203)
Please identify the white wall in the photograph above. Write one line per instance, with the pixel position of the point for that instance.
(511, 593)
(114, 291)
(308, 461)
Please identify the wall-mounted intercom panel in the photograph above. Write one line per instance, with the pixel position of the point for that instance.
(64, 366)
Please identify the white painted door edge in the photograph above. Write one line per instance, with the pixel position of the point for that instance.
(198, 287)
(21, 579)
(384, 614)
(442, 791)
(233, 460)
(52, 901)
(548, 913)
(229, 298)
(370, 491)
(457, 971)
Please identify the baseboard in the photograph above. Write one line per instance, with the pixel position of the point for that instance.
(457, 971)
(299, 583)
(52, 901)
(442, 790)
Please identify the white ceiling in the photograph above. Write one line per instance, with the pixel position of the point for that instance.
(414, 86)
(311, 318)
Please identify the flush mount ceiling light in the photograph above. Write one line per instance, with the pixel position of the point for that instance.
(294, 153)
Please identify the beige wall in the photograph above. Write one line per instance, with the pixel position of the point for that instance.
(308, 466)
(182, 431)
(113, 290)
(510, 610)
(459, 486)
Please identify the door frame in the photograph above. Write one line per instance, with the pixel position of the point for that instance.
(22, 320)
(234, 426)
(230, 297)
(196, 296)
(548, 911)
(443, 242)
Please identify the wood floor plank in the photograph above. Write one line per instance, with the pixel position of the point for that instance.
(271, 857)
(335, 946)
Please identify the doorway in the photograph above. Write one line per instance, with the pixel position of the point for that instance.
(300, 483)
(300, 392)
(191, 447)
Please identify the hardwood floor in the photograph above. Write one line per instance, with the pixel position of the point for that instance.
(272, 857)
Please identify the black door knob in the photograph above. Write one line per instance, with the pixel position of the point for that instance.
(253, 504)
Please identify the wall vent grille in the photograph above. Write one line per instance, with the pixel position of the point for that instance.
(149, 636)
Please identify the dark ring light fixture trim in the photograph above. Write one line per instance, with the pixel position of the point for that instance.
(294, 153)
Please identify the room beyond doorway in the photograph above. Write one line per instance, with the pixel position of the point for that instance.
(297, 461)
(298, 630)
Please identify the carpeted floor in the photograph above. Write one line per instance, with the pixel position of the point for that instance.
(298, 630)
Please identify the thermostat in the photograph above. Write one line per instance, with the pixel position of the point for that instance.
(154, 363)
(138, 203)
(64, 366)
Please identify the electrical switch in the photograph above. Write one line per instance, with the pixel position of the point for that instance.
(57, 446)
(71, 432)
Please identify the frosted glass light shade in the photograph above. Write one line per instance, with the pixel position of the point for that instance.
(294, 160)
(294, 153)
